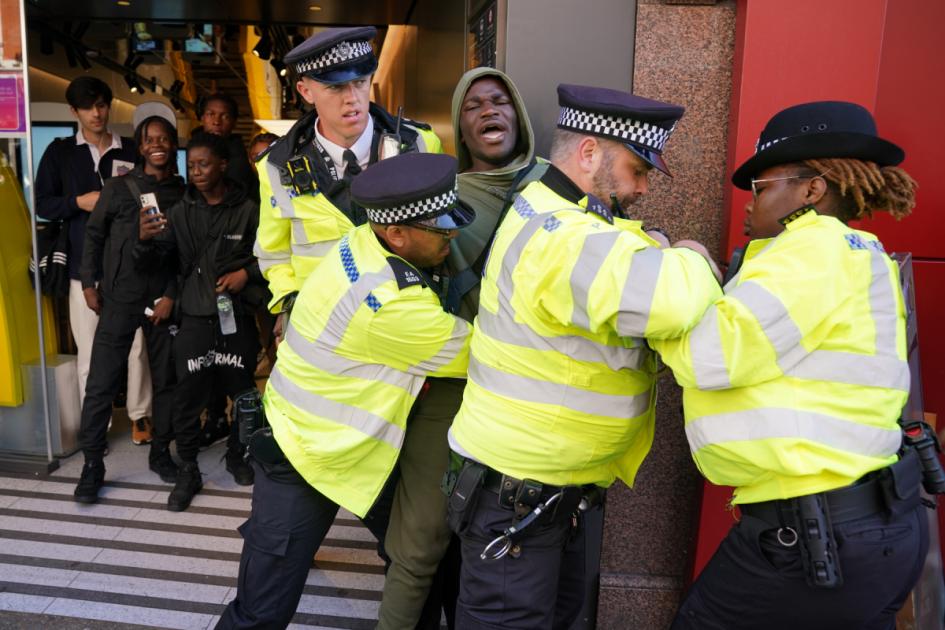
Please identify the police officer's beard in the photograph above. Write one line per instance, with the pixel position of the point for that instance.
(605, 182)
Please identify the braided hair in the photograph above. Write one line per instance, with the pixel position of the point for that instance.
(865, 187)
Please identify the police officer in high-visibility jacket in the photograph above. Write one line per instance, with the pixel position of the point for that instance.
(561, 390)
(304, 178)
(364, 335)
(794, 381)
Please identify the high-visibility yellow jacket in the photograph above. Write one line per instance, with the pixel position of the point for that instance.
(561, 382)
(296, 231)
(365, 333)
(795, 378)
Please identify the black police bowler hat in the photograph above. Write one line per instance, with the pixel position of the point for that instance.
(823, 129)
(336, 55)
(641, 124)
(410, 188)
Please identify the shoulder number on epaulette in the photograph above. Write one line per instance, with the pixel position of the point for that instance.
(405, 275)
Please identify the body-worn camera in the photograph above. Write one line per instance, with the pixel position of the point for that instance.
(249, 413)
(300, 172)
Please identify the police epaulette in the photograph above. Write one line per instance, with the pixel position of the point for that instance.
(405, 275)
(417, 124)
(598, 207)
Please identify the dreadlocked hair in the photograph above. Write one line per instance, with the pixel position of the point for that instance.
(866, 187)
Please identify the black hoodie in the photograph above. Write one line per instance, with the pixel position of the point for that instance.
(211, 241)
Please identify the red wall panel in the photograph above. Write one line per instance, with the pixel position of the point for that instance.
(889, 56)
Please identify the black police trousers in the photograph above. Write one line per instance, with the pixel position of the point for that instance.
(202, 352)
(288, 522)
(543, 587)
(753, 581)
(108, 367)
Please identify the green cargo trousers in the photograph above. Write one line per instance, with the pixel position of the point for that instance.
(418, 535)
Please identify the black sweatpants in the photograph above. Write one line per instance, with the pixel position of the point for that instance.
(108, 367)
(201, 352)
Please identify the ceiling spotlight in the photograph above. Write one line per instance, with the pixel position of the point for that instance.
(133, 84)
(279, 66)
(263, 49)
(123, 3)
(314, 7)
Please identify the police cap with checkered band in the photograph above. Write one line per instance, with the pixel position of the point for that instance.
(822, 129)
(641, 124)
(412, 188)
(336, 55)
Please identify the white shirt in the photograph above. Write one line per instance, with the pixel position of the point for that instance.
(361, 147)
(96, 156)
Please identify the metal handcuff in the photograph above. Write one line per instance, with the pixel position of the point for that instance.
(512, 532)
(501, 545)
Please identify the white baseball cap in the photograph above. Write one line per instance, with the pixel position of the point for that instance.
(153, 108)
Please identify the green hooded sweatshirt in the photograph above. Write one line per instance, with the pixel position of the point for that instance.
(485, 191)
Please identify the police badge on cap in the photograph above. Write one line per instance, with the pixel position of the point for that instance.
(641, 124)
(412, 188)
(336, 55)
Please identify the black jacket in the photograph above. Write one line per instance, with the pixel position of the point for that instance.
(210, 241)
(66, 171)
(111, 235)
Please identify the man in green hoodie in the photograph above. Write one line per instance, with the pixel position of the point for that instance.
(495, 149)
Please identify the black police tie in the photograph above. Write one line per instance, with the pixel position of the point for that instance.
(354, 212)
(351, 164)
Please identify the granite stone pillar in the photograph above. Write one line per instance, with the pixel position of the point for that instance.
(683, 55)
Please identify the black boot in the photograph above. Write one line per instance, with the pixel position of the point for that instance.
(188, 484)
(236, 465)
(159, 460)
(91, 481)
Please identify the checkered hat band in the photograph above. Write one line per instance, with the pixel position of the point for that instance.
(767, 145)
(339, 53)
(413, 210)
(625, 129)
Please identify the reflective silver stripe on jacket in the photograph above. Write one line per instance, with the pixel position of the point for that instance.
(451, 348)
(503, 327)
(771, 423)
(534, 390)
(322, 352)
(506, 330)
(883, 369)
(267, 260)
(593, 253)
(279, 192)
(325, 358)
(359, 419)
(637, 297)
(301, 245)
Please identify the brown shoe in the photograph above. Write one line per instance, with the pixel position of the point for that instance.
(141, 431)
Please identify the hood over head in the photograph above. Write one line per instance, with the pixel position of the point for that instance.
(526, 138)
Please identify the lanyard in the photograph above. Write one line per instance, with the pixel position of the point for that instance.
(329, 163)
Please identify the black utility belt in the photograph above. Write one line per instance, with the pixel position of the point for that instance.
(894, 488)
(528, 492)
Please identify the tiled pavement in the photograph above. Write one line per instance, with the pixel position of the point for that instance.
(128, 562)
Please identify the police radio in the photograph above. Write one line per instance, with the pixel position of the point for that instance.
(390, 144)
